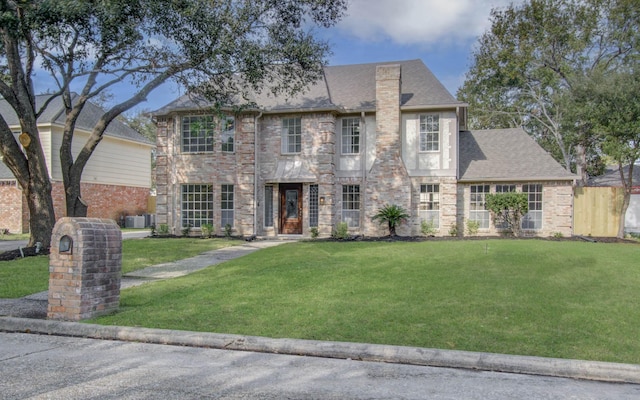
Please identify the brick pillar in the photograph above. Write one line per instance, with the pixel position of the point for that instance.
(84, 278)
(388, 181)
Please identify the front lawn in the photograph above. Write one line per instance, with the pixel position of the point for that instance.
(529, 297)
(30, 275)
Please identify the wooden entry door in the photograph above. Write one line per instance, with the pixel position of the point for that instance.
(291, 208)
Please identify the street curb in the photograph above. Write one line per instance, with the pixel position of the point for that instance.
(577, 369)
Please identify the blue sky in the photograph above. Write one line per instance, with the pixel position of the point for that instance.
(440, 32)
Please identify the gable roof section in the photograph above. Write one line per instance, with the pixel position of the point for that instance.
(506, 155)
(346, 88)
(54, 114)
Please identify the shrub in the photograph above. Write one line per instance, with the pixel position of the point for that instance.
(164, 230)
(227, 231)
(472, 227)
(206, 230)
(153, 229)
(314, 232)
(428, 228)
(186, 231)
(507, 210)
(453, 230)
(342, 231)
(393, 215)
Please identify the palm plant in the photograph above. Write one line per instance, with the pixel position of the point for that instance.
(393, 215)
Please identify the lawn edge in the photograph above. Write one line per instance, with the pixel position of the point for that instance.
(529, 365)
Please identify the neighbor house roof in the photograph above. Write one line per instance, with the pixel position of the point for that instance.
(611, 177)
(346, 88)
(506, 155)
(55, 115)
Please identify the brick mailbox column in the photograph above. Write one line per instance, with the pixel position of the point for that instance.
(84, 268)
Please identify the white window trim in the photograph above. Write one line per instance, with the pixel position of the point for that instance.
(439, 141)
(285, 136)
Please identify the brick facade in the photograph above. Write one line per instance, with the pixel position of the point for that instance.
(104, 201)
(11, 216)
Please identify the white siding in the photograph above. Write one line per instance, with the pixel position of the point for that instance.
(114, 161)
(440, 163)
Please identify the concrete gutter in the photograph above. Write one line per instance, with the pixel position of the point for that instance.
(577, 369)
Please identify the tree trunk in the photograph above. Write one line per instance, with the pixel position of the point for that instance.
(623, 213)
(41, 214)
(581, 165)
(76, 207)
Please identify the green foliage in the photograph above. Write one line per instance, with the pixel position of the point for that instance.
(341, 232)
(393, 215)
(217, 50)
(558, 235)
(428, 228)
(507, 210)
(314, 232)
(453, 230)
(186, 230)
(526, 65)
(472, 227)
(206, 230)
(508, 300)
(228, 230)
(163, 230)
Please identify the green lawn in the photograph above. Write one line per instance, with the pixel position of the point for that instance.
(529, 297)
(31, 275)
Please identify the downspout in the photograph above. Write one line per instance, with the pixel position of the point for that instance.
(255, 173)
(364, 164)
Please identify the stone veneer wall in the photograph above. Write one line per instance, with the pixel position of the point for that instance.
(388, 181)
(448, 204)
(217, 168)
(557, 208)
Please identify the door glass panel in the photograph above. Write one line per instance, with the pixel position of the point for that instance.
(292, 204)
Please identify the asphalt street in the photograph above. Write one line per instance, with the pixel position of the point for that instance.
(56, 367)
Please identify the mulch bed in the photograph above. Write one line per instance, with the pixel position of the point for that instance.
(26, 252)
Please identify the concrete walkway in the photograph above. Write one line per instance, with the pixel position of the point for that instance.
(27, 315)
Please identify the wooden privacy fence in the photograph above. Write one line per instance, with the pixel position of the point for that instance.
(596, 210)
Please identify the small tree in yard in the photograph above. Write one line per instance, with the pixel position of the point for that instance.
(393, 215)
(507, 210)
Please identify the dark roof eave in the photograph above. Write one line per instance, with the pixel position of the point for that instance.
(518, 179)
(433, 106)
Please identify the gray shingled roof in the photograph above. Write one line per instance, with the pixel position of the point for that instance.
(347, 88)
(611, 177)
(506, 155)
(54, 114)
(5, 172)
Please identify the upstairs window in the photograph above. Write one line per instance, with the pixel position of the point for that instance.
(429, 132)
(197, 133)
(291, 135)
(227, 134)
(351, 136)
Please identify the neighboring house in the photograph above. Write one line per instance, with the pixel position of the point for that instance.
(115, 181)
(611, 178)
(364, 136)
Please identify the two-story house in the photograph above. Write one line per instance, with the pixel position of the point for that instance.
(362, 137)
(115, 182)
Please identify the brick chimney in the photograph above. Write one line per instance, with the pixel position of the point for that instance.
(388, 181)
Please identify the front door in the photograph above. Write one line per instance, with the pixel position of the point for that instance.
(291, 208)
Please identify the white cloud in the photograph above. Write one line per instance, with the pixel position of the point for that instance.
(419, 21)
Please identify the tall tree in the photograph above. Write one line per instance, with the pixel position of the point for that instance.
(208, 46)
(533, 54)
(610, 103)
